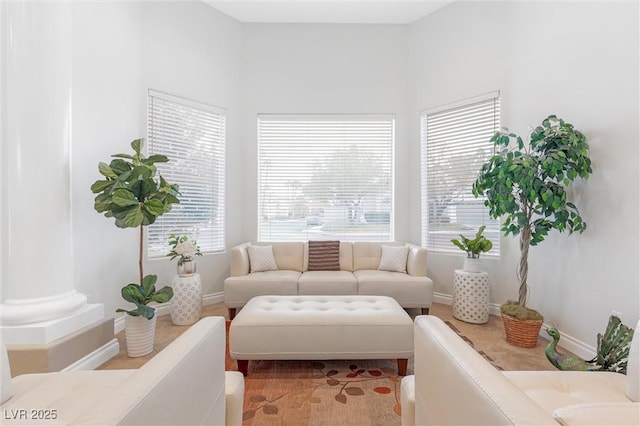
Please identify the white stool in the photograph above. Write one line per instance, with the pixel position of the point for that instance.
(186, 303)
(321, 327)
(471, 296)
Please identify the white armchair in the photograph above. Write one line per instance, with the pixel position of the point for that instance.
(184, 384)
(454, 385)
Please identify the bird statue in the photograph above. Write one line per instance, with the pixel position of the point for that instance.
(565, 361)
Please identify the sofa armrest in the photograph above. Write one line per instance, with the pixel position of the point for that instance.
(602, 413)
(240, 260)
(417, 261)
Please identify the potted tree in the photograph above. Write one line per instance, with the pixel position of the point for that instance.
(134, 194)
(473, 248)
(526, 185)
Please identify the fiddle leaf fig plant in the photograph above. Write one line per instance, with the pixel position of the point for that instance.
(526, 185)
(141, 295)
(134, 194)
(475, 246)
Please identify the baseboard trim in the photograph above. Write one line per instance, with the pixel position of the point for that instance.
(165, 308)
(96, 358)
(567, 342)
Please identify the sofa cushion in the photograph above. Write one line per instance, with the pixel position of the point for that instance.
(261, 258)
(327, 283)
(600, 413)
(289, 255)
(366, 255)
(556, 389)
(394, 259)
(324, 256)
(409, 291)
(239, 290)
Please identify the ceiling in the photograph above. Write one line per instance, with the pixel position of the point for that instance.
(328, 11)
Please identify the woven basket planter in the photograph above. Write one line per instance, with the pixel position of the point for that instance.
(521, 333)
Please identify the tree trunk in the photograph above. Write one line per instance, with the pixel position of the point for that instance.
(523, 269)
(140, 254)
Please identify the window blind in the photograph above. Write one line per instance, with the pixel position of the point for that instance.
(325, 177)
(455, 145)
(192, 135)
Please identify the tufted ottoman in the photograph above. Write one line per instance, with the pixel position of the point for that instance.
(321, 327)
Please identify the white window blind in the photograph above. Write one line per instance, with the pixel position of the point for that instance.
(325, 177)
(455, 145)
(192, 135)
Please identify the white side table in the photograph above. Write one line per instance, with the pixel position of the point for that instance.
(186, 303)
(471, 296)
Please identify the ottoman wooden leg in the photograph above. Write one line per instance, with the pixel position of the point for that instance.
(232, 313)
(425, 311)
(243, 366)
(402, 367)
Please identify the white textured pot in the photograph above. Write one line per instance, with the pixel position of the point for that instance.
(471, 265)
(139, 334)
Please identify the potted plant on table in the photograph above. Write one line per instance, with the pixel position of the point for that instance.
(133, 192)
(185, 248)
(473, 248)
(526, 185)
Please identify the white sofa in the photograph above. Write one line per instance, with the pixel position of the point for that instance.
(183, 384)
(454, 385)
(358, 275)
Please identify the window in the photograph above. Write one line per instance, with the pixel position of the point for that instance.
(192, 135)
(325, 177)
(455, 145)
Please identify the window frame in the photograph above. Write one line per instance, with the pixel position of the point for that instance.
(492, 232)
(389, 158)
(217, 196)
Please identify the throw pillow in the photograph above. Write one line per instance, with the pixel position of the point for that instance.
(394, 259)
(324, 256)
(261, 258)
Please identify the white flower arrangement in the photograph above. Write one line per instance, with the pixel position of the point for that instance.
(183, 247)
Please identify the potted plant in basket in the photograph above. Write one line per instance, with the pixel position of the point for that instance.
(185, 248)
(473, 247)
(135, 195)
(526, 185)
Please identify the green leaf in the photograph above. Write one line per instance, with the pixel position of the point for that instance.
(101, 185)
(124, 198)
(133, 218)
(132, 293)
(120, 166)
(163, 295)
(137, 146)
(126, 156)
(105, 170)
(146, 311)
(148, 284)
(155, 159)
(154, 207)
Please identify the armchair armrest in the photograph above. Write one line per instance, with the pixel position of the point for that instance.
(600, 413)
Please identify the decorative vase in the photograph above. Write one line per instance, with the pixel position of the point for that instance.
(521, 333)
(139, 335)
(186, 267)
(471, 265)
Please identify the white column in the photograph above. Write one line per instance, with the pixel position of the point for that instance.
(36, 250)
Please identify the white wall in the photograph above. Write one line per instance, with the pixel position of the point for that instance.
(293, 68)
(578, 60)
(120, 51)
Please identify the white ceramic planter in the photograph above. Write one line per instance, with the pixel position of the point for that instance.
(186, 303)
(471, 265)
(139, 335)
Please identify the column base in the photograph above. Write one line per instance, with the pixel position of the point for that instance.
(47, 331)
(85, 349)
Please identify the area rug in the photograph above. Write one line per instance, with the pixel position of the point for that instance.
(324, 393)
